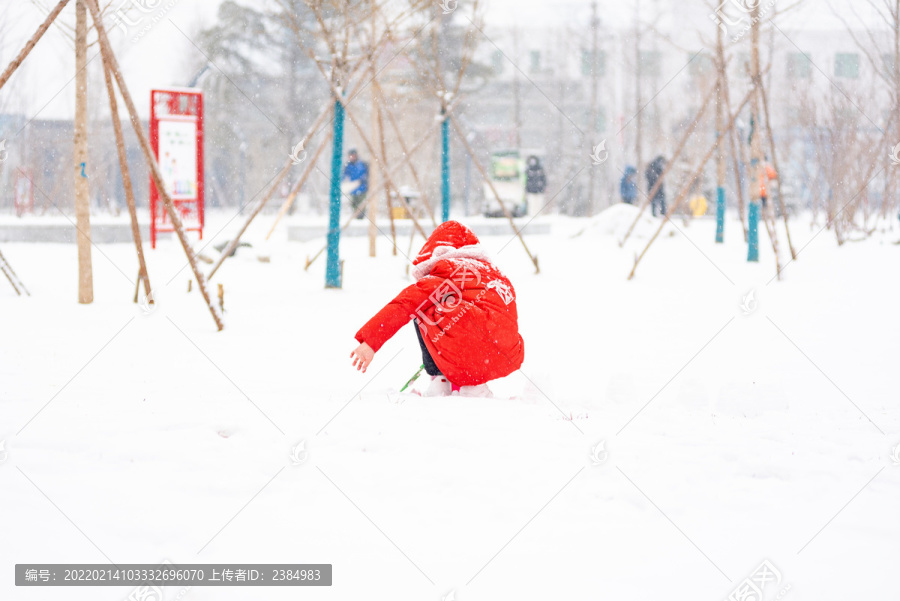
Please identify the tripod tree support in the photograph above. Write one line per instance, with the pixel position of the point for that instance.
(720, 152)
(690, 180)
(155, 173)
(7, 270)
(678, 150)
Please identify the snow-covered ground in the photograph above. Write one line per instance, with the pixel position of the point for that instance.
(735, 427)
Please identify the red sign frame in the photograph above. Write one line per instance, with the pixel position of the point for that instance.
(174, 106)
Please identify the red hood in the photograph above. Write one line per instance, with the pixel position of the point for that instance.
(449, 233)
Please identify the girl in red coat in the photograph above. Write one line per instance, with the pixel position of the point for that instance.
(464, 310)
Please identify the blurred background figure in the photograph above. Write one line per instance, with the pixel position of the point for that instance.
(698, 205)
(355, 181)
(653, 173)
(766, 174)
(628, 185)
(535, 185)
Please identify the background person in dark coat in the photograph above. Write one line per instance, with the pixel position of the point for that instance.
(535, 185)
(628, 185)
(535, 178)
(654, 170)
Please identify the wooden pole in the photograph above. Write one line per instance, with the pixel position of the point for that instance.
(82, 199)
(155, 173)
(894, 84)
(484, 175)
(769, 216)
(638, 109)
(736, 165)
(9, 277)
(595, 22)
(29, 45)
(143, 277)
(756, 154)
(735, 156)
(687, 186)
(376, 134)
(678, 150)
(787, 229)
(373, 210)
(412, 237)
(289, 201)
(10, 274)
(516, 93)
(720, 151)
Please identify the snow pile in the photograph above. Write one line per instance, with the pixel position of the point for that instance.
(615, 221)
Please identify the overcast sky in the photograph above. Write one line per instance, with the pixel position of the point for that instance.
(162, 57)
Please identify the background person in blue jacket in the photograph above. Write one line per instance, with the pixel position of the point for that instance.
(355, 181)
(628, 185)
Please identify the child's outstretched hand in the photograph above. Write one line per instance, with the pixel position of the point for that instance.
(362, 356)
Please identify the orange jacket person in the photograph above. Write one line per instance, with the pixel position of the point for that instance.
(766, 174)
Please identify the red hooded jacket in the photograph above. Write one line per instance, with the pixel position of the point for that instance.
(464, 306)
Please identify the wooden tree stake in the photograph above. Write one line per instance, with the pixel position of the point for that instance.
(80, 157)
(678, 150)
(687, 186)
(787, 229)
(143, 277)
(29, 45)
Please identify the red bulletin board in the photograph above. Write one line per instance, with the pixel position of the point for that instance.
(176, 136)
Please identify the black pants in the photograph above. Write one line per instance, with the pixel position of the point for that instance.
(659, 205)
(355, 201)
(431, 367)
